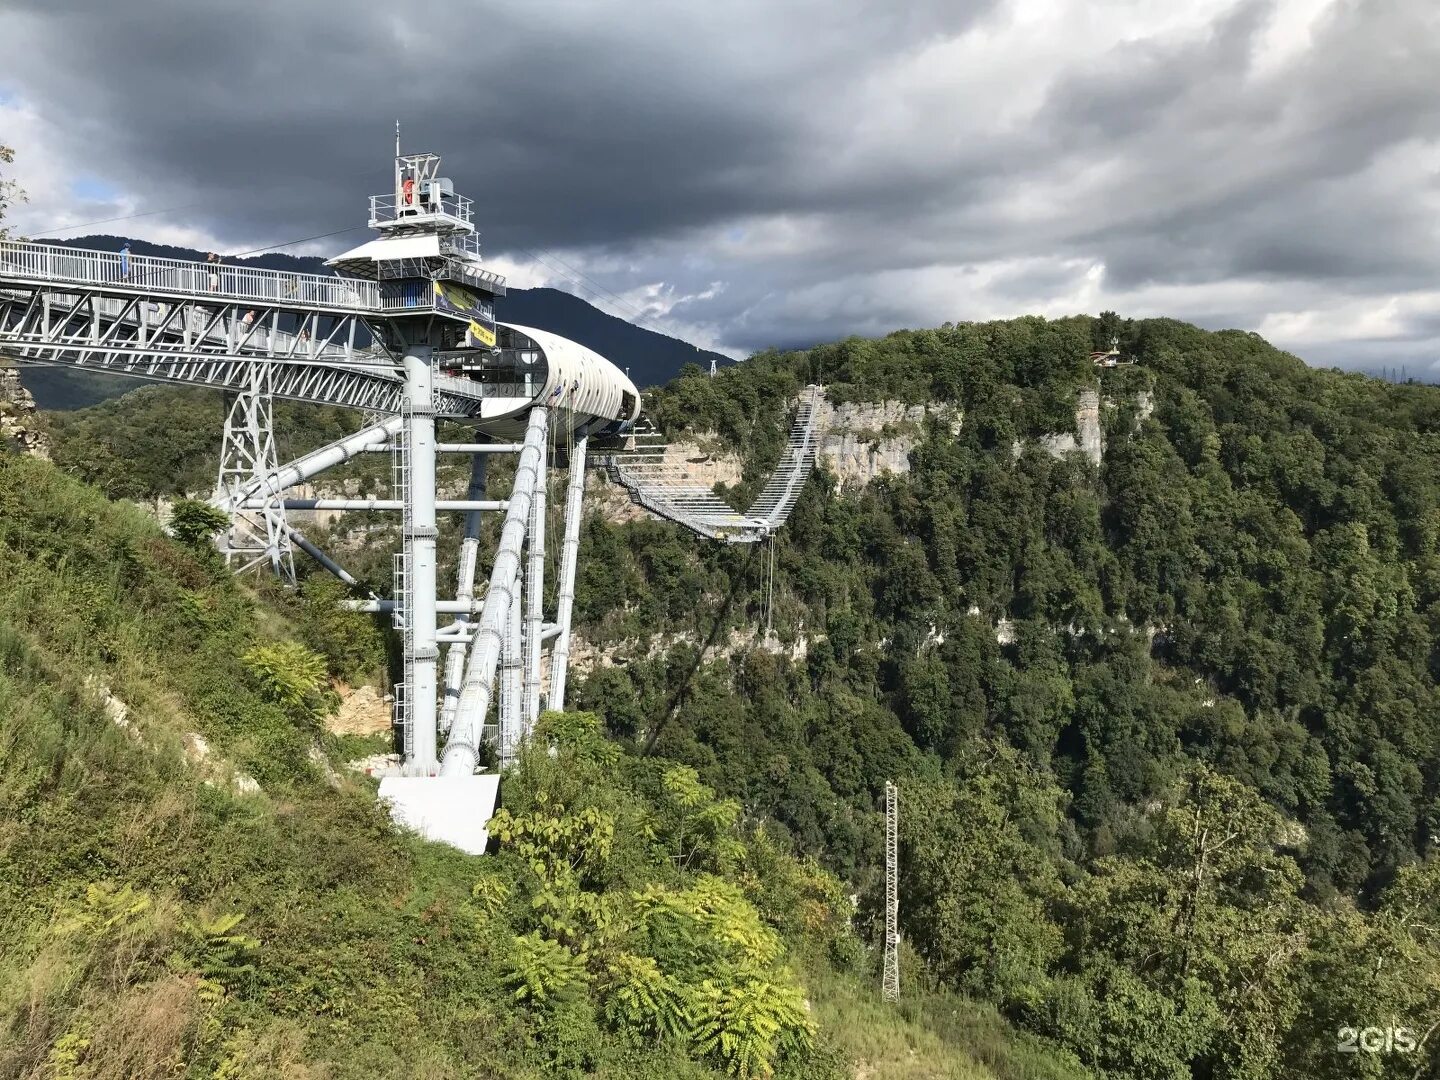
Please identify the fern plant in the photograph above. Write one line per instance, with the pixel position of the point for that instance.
(640, 997)
(539, 970)
(749, 1022)
(292, 676)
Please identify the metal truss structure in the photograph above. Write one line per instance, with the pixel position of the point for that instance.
(890, 977)
(256, 533)
(159, 319)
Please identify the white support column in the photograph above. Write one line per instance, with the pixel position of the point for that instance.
(464, 592)
(512, 674)
(461, 751)
(574, 498)
(419, 534)
(534, 601)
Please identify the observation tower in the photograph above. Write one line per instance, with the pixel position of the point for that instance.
(404, 331)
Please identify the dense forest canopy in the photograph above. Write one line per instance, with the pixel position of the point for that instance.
(1167, 729)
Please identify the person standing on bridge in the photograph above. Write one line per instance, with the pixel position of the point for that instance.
(125, 261)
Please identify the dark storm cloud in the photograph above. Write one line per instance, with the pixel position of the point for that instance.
(581, 126)
(801, 169)
(1239, 172)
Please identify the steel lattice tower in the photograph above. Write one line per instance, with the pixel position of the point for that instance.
(890, 980)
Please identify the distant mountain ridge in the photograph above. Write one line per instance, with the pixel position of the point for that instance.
(651, 358)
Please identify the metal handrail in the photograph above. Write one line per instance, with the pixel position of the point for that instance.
(391, 208)
(82, 266)
(493, 282)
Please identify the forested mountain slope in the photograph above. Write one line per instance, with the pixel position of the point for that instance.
(190, 885)
(1167, 728)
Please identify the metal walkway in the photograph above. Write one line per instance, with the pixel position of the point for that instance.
(207, 324)
(666, 491)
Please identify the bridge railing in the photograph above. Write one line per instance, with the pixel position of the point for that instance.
(79, 266)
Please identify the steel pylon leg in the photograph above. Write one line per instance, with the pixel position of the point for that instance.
(465, 591)
(574, 498)
(462, 748)
(415, 571)
(254, 537)
(512, 720)
(534, 601)
(890, 976)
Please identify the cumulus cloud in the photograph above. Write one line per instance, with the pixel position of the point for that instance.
(777, 172)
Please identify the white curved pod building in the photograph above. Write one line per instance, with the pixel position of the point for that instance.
(535, 367)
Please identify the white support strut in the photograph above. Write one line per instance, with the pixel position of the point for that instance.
(512, 720)
(464, 591)
(313, 463)
(574, 498)
(462, 749)
(534, 599)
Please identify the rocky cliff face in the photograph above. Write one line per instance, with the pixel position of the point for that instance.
(861, 440)
(1087, 439)
(20, 428)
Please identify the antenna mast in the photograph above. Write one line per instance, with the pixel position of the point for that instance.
(890, 979)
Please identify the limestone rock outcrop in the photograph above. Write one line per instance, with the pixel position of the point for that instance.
(20, 427)
(861, 440)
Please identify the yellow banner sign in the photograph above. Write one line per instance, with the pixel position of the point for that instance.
(482, 335)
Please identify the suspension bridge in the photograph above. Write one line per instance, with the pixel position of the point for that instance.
(404, 331)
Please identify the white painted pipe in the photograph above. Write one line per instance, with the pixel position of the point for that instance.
(480, 448)
(464, 590)
(463, 448)
(444, 607)
(462, 749)
(317, 461)
(512, 719)
(468, 505)
(574, 499)
(534, 601)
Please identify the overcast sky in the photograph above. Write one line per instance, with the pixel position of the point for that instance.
(778, 172)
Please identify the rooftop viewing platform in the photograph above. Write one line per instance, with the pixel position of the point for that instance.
(422, 200)
(432, 209)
